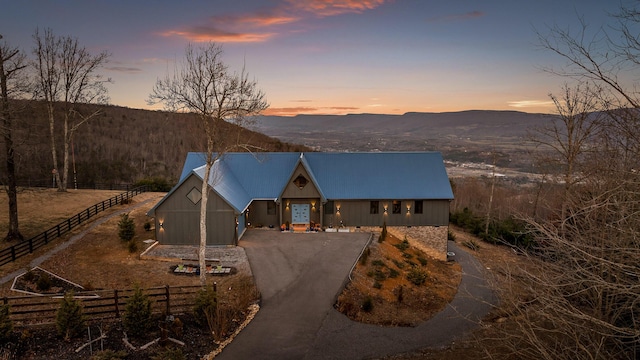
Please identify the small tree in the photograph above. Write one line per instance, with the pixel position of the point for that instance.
(137, 313)
(70, 319)
(6, 325)
(383, 233)
(126, 228)
(206, 304)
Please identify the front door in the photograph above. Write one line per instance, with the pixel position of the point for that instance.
(300, 213)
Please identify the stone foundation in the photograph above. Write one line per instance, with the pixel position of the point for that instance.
(430, 239)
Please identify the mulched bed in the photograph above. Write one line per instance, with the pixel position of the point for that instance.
(45, 343)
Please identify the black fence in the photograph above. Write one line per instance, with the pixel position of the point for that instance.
(91, 186)
(29, 246)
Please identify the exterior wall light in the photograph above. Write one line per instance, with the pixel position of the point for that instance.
(161, 225)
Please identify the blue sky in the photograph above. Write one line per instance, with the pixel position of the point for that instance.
(331, 56)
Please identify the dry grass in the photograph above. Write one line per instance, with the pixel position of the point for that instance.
(100, 260)
(39, 209)
(396, 301)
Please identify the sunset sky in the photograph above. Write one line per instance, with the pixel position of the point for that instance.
(331, 56)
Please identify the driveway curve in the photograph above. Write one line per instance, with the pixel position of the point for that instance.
(300, 276)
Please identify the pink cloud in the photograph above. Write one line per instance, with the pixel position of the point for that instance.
(335, 7)
(205, 33)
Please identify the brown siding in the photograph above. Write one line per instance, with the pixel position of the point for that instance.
(258, 215)
(180, 218)
(356, 213)
(292, 191)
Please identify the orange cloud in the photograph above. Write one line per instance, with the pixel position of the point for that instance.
(289, 111)
(335, 7)
(263, 19)
(205, 33)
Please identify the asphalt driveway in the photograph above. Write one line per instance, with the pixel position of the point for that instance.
(300, 275)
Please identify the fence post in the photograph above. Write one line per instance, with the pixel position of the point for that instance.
(46, 240)
(30, 246)
(13, 253)
(115, 298)
(58, 228)
(79, 220)
(168, 295)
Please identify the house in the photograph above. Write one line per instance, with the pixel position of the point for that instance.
(308, 191)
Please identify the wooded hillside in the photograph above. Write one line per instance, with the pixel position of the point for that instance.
(122, 145)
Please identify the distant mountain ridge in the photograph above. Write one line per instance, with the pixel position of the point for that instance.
(460, 136)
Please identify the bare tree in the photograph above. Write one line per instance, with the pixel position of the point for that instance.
(12, 84)
(566, 142)
(66, 76)
(203, 84)
(579, 297)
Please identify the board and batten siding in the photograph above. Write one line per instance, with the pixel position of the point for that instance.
(357, 213)
(259, 213)
(180, 218)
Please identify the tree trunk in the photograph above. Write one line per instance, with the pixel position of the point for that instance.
(12, 193)
(54, 153)
(65, 156)
(202, 249)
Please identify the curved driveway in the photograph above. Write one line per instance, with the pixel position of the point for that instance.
(300, 275)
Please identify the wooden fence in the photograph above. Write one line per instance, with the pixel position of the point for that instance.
(27, 247)
(102, 304)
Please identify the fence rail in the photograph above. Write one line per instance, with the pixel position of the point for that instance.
(102, 304)
(27, 247)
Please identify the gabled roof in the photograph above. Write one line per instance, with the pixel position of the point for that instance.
(240, 178)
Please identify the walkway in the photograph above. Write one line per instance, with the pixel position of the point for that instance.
(300, 275)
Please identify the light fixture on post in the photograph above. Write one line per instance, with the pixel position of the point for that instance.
(338, 210)
(386, 209)
(408, 209)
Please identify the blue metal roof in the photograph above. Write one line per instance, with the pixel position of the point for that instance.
(384, 175)
(240, 178)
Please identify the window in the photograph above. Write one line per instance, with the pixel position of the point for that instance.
(328, 208)
(396, 207)
(417, 207)
(300, 182)
(271, 207)
(374, 208)
(194, 195)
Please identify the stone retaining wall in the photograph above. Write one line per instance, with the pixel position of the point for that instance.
(430, 239)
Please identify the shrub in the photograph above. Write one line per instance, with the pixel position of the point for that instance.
(137, 313)
(69, 317)
(6, 325)
(367, 304)
(399, 264)
(451, 236)
(378, 263)
(29, 276)
(132, 246)
(393, 273)
(126, 227)
(417, 276)
(404, 245)
(422, 261)
(205, 305)
(110, 355)
(44, 282)
(147, 226)
(407, 255)
(379, 275)
(377, 285)
(365, 256)
(170, 353)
